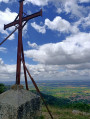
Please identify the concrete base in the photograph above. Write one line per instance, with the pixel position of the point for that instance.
(18, 103)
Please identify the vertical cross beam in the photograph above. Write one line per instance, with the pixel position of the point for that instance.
(18, 70)
(20, 52)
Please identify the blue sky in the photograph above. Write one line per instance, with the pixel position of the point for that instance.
(56, 45)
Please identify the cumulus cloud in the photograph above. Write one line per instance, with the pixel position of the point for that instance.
(48, 72)
(82, 66)
(32, 45)
(37, 2)
(73, 8)
(58, 24)
(73, 50)
(40, 29)
(63, 26)
(70, 6)
(84, 22)
(6, 17)
(7, 72)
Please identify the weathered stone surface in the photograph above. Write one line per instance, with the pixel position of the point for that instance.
(19, 104)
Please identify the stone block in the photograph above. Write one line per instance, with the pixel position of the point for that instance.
(18, 103)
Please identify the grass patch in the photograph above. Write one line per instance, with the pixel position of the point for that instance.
(59, 113)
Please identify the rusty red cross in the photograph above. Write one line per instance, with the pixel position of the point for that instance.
(21, 21)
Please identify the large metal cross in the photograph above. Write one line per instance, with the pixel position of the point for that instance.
(21, 21)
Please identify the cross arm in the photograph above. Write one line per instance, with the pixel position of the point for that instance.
(24, 19)
(33, 15)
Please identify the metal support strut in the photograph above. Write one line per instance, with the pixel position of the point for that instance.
(37, 89)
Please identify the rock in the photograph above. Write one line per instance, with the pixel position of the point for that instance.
(18, 103)
(76, 112)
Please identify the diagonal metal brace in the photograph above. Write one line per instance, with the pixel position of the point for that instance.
(24, 19)
(37, 89)
(12, 32)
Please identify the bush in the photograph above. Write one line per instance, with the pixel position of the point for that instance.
(80, 106)
(2, 88)
(41, 117)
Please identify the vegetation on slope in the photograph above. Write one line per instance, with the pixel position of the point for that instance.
(59, 113)
(2, 88)
(64, 103)
(61, 107)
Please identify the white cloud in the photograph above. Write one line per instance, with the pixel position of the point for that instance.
(32, 45)
(1, 61)
(37, 2)
(44, 72)
(73, 8)
(6, 1)
(58, 24)
(74, 50)
(25, 30)
(2, 49)
(50, 72)
(63, 26)
(84, 22)
(70, 6)
(59, 10)
(7, 72)
(6, 17)
(84, 1)
(40, 29)
(82, 66)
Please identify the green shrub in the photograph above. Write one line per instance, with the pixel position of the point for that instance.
(41, 117)
(2, 88)
(81, 106)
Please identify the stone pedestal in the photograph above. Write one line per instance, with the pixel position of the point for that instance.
(18, 103)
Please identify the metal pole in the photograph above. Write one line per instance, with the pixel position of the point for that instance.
(25, 75)
(18, 70)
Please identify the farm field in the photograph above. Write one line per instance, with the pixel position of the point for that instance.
(64, 97)
(64, 89)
